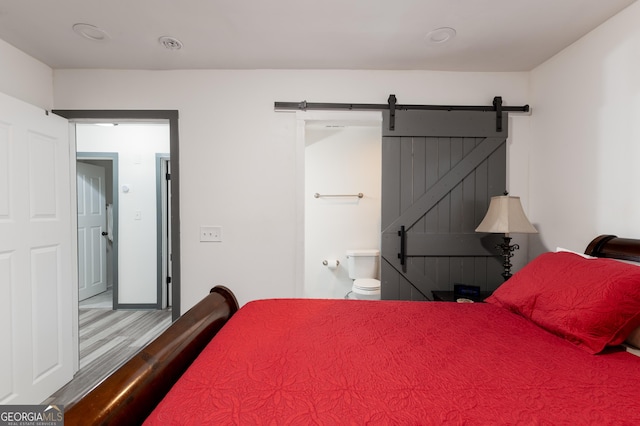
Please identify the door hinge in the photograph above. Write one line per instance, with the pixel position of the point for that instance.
(168, 280)
(167, 176)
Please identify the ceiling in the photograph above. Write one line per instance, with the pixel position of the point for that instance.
(491, 35)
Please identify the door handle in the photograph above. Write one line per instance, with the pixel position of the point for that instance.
(403, 242)
(104, 234)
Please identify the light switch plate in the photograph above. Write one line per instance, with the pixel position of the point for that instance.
(210, 233)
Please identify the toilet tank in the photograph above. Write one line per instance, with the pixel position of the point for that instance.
(363, 263)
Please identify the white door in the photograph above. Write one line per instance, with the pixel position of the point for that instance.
(92, 223)
(37, 254)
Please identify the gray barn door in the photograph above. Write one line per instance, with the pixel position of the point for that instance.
(439, 171)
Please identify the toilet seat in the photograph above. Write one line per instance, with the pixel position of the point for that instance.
(366, 286)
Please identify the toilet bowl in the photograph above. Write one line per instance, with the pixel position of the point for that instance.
(366, 288)
(363, 269)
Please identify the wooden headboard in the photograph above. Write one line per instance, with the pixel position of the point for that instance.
(612, 247)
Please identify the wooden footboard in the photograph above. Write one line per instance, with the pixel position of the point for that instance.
(129, 394)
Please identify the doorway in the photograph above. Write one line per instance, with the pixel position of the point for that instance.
(471, 261)
(137, 240)
(339, 158)
(170, 117)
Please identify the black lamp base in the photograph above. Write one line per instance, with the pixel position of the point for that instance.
(507, 253)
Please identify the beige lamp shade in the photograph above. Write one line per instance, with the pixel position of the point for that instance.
(506, 216)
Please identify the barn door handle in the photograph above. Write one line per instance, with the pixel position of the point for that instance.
(403, 240)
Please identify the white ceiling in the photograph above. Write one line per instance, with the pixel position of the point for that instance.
(492, 35)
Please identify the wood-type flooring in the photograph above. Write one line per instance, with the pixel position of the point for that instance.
(108, 339)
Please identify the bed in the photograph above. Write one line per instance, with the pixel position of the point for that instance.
(553, 345)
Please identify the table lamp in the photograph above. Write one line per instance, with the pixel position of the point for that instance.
(506, 216)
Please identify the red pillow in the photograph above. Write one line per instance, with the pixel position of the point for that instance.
(593, 303)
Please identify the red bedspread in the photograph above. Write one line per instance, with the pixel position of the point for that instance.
(331, 362)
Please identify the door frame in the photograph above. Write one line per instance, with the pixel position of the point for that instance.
(302, 119)
(163, 212)
(171, 116)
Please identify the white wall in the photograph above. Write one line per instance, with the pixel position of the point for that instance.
(340, 160)
(238, 157)
(24, 77)
(136, 145)
(585, 142)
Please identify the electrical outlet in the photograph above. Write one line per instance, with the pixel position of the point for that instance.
(211, 233)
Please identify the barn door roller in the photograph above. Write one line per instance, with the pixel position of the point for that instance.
(497, 104)
(392, 106)
(392, 111)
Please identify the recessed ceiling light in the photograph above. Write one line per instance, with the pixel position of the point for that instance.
(441, 35)
(170, 43)
(91, 32)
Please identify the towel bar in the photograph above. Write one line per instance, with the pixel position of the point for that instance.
(359, 195)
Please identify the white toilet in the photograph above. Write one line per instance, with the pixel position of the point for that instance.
(363, 270)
